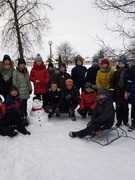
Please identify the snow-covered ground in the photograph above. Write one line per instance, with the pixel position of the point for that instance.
(50, 154)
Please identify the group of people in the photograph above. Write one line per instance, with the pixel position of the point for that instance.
(93, 90)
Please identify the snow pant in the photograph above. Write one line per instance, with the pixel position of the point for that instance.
(133, 115)
(12, 119)
(91, 128)
(68, 106)
(24, 102)
(122, 111)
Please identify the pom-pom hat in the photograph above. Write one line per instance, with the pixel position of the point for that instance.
(105, 61)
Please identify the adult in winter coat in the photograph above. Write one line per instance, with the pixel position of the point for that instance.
(6, 69)
(102, 117)
(52, 99)
(22, 82)
(104, 75)
(117, 90)
(92, 71)
(78, 73)
(130, 94)
(14, 111)
(62, 76)
(69, 100)
(40, 77)
(88, 100)
(51, 74)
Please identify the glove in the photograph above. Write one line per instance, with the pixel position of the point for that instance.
(68, 97)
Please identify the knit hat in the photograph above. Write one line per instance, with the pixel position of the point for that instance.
(79, 59)
(12, 88)
(38, 58)
(21, 61)
(39, 98)
(88, 84)
(69, 82)
(95, 59)
(50, 65)
(6, 57)
(105, 61)
(63, 65)
(123, 60)
(102, 91)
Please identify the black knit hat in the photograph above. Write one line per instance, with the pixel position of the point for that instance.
(50, 65)
(12, 88)
(21, 61)
(102, 91)
(6, 57)
(63, 65)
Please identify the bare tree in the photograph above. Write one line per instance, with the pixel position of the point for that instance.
(25, 22)
(66, 51)
(125, 12)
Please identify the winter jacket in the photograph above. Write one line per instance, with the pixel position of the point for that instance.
(52, 98)
(61, 78)
(92, 73)
(1, 85)
(103, 78)
(2, 111)
(78, 76)
(22, 82)
(14, 104)
(130, 87)
(88, 100)
(39, 73)
(51, 77)
(7, 74)
(104, 112)
(118, 85)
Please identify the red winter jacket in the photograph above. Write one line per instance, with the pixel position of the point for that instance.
(39, 73)
(2, 111)
(88, 100)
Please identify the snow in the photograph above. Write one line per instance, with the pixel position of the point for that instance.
(50, 154)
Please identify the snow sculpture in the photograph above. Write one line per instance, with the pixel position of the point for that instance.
(37, 114)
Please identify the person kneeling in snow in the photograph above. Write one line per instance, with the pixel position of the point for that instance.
(14, 116)
(88, 100)
(102, 117)
(69, 100)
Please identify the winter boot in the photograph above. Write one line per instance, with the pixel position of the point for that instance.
(72, 114)
(73, 134)
(83, 113)
(132, 127)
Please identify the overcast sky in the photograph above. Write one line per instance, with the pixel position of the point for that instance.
(75, 21)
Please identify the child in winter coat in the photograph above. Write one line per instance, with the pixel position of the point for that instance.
(104, 75)
(88, 100)
(52, 99)
(69, 100)
(78, 73)
(51, 74)
(130, 95)
(102, 117)
(14, 112)
(92, 71)
(6, 69)
(22, 82)
(117, 90)
(62, 76)
(40, 77)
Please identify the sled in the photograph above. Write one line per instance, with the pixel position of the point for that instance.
(98, 136)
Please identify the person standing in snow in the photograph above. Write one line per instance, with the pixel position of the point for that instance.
(78, 73)
(88, 100)
(92, 71)
(51, 74)
(6, 69)
(22, 82)
(40, 77)
(102, 117)
(130, 95)
(117, 90)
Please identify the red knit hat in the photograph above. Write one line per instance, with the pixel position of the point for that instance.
(105, 61)
(69, 82)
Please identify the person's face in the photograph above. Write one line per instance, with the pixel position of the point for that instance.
(101, 96)
(121, 65)
(6, 62)
(62, 69)
(50, 68)
(53, 87)
(94, 62)
(38, 63)
(104, 65)
(88, 89)
(22, 66)
(69, 86)
(79, 63)
(14, 93)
